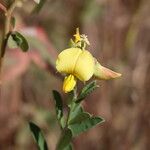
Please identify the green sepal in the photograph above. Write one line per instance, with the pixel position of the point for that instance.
(72, 43)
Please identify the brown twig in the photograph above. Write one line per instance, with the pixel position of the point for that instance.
(5, 34)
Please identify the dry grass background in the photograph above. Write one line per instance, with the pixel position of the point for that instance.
(119, 32)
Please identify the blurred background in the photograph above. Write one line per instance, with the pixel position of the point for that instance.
(119, 33)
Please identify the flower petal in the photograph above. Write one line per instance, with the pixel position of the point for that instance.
(76, 62)
(69, 83)
(84, 67)
(67, 60)
(104, 73)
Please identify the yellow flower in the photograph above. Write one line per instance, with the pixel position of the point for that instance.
(77, 36)
(77, 62)
(69, 83)
(80, 64)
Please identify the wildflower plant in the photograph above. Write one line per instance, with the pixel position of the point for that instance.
(8, 34)
(76, 64)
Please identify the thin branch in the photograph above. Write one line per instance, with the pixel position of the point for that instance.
(5, 34)
(2, 7)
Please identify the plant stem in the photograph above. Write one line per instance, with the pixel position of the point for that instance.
(71, 105)
(71, 108)
(5, 35)
(68, 115)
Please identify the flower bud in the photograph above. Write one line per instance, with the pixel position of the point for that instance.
(69, 83)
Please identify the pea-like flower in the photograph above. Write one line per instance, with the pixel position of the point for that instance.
(80, 64)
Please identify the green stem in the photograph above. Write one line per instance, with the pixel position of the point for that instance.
(69, 112)
(68, 115)
(71, 105)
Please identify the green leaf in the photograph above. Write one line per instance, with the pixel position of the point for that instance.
(76, 109)
(58, 104)
(38, 136)
(69, 147)
(79, 118)
(17, 40)
(11, 43)
(87, 90)
(65, 140)
(84, 125)
(63, 122)
(39, 6)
